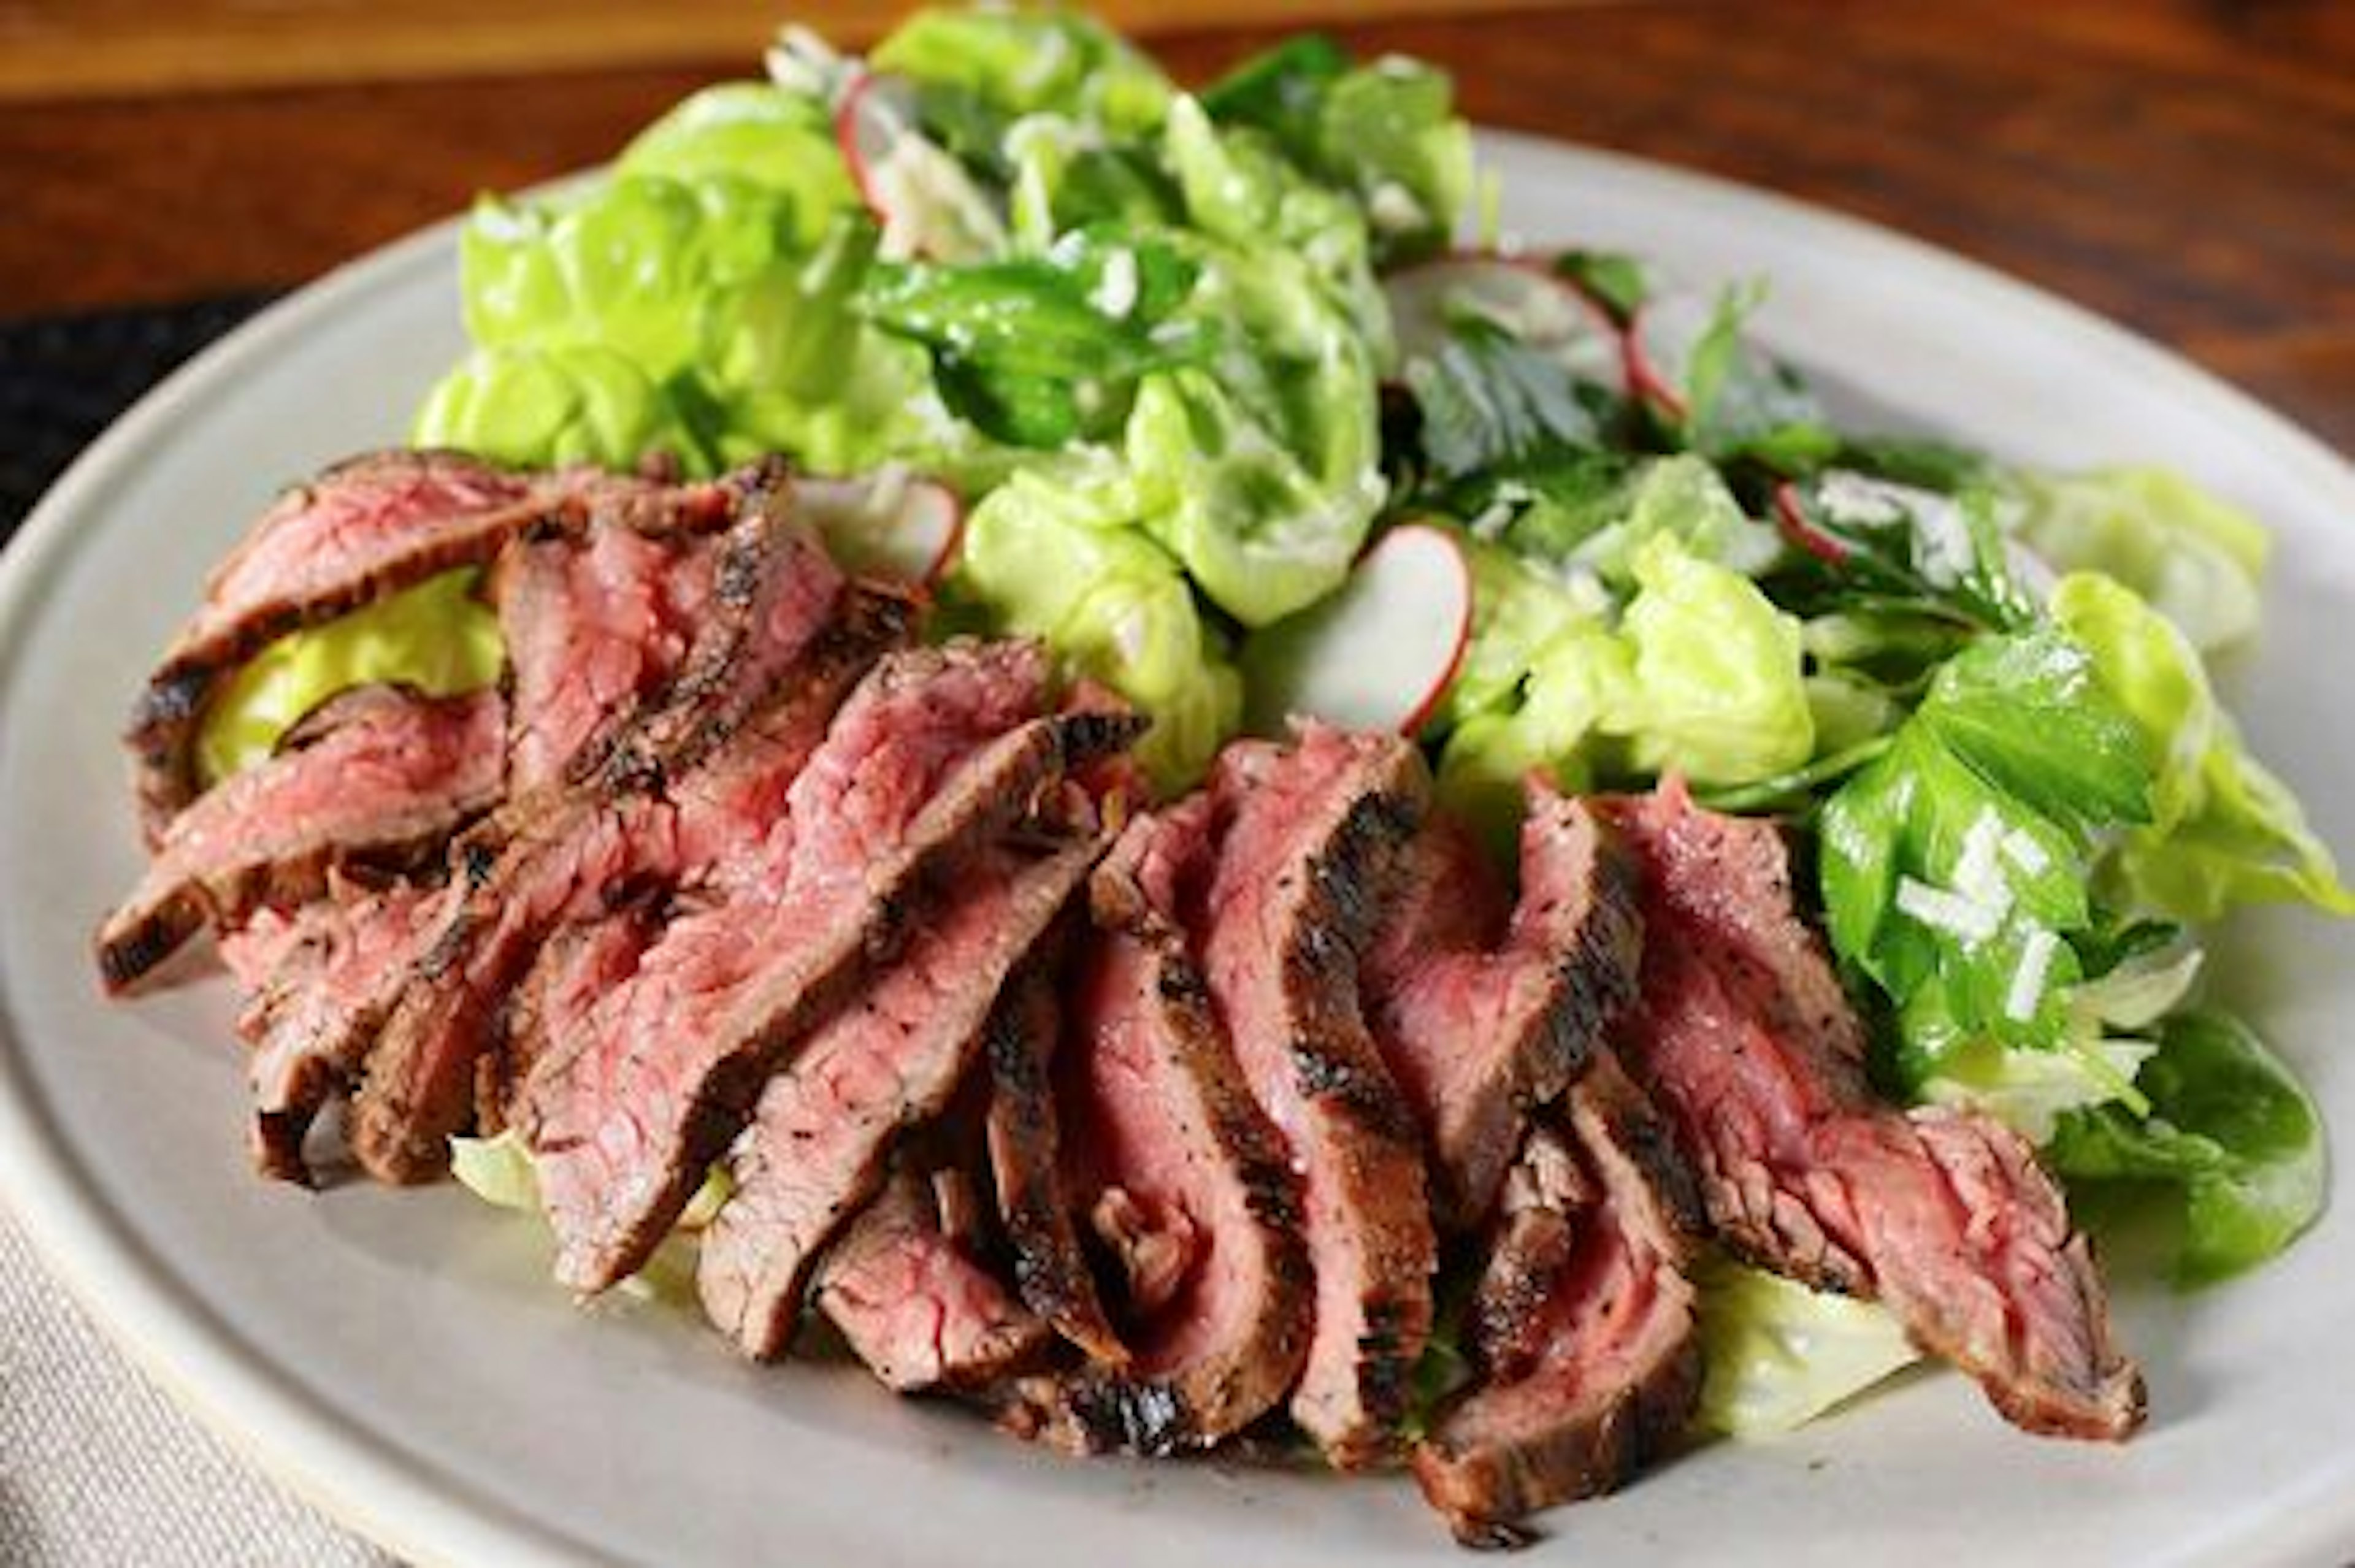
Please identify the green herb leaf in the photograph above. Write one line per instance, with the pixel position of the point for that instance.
(2230, 1126)
(1488, 402)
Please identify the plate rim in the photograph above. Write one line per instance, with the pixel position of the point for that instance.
(375, 1486)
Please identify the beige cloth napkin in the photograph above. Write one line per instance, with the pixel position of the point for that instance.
(99, 1469)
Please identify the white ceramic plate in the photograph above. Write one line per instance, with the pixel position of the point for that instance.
(402, 1357)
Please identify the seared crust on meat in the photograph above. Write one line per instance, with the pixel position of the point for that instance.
(1482, 1013)
(378, 778)
(1310, 843)
(673, 1091)
(1026, 1142)
(1606, 1365)
(1159, 1102)
(813, 1150)
(784, 641)
(1747, 1040)
(363, 529)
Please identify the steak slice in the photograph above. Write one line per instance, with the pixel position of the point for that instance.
(773, 588)
(914, 1303)
(362, 529)
(595, 628)
(1546, 1194)
(1160, 1122)
(930, 759)
(1481, 1016)
(380, 773)
(579, 963)
(1745, 1038)
(1614, 1370)
(890, 1059)
(1308, 840)
(569, 855)
(1025, 1157)
(322, 980)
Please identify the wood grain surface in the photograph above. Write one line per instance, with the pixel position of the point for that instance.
(71, 48)
(2186, 167)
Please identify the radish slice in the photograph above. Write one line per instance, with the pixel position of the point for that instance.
(1523, 295)
(927, 203)
(1660, 344)
(888, 524)
(1380, 654)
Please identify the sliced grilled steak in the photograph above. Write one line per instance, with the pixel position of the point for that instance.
(575, 966)
(1026, 1144)
(321, 982)
(1308, 841)
(1545, 1196)
(567, 856)
(594, 627)
(1155, 1110)
(931, 758)
(914, 1303)
(1746, 1039)
(1617, 1373)
(1480, 1017)
(772, 589)
(380, 773)
(363, 529)
(891, 1059)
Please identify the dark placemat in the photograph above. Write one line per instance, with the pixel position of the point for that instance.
(63, 378)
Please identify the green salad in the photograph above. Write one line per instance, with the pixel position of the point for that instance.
(1185, 355)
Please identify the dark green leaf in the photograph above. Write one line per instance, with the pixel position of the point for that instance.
(1954, 868)
(1281, 91)
(968, 127)
(2230, 1126)
(1487, 401)
(2027, 713)
(1039, 349)
(1114, 186)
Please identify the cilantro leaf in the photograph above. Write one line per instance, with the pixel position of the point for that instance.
(1489, 401)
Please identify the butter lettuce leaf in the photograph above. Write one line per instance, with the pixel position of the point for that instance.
(773, 137)
(2230, 1127)
(1386, 132)
(1054, 552)
(1031, 60)
(2193, 557)
(2225, 830)
(639, 265)
(569, 403)
(1700, 675)
(437, 636)
(1777, 1355)
(1715, 688)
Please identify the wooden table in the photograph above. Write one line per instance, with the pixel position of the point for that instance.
(2186, 167)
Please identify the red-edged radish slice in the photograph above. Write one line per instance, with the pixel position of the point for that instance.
(1791, 517)
(1522, 294)
(1662, 339)
(925, 202)
(1379, 654)
(888, 524)
(1658, 357)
